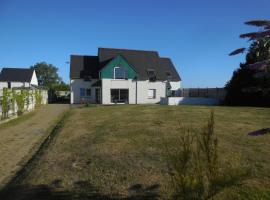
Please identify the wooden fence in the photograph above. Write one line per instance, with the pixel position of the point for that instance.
(16, 101)
(214, 93)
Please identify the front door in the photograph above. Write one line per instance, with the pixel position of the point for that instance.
(97, 95)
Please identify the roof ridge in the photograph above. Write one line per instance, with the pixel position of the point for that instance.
(83, 55)
(128, 49)
(15, 68)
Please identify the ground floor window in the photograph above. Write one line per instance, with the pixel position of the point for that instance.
(151, 93)
(85, 92)
(119, 95)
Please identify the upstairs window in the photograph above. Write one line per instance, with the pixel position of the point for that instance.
(120, 73)
(169, 75)
(151, 75)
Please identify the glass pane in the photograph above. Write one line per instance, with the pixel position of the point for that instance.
(151, 93)
(124, 96)
(114, 95)
(82, 92)
(88, 92)
(119, 73)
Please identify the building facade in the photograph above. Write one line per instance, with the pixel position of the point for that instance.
(122, 76)
(17, 78)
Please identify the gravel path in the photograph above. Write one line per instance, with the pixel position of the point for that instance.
(19, 139)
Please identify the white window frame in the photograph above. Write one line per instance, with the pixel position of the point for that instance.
(114, 73)
(154, 91)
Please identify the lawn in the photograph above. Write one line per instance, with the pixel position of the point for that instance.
(21, 137)
(118, 152)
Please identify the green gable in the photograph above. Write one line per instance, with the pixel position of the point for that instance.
(108, 70)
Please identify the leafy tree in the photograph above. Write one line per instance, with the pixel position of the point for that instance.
(47, 74)
(250, 84)
(61, 87)
(260, 39)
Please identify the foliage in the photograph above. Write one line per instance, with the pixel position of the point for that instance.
(47, 74)
(194, 165)
(20, 100)
(38, 98)
(260, 38)
(61, 87)
(5, 100)
(247, 86)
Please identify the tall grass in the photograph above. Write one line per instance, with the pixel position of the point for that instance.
(194, 165)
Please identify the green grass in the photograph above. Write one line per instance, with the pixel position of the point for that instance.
(118, 151)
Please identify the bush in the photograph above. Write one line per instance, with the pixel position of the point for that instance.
(194, 166)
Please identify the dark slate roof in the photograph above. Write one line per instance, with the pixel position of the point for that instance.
(141, 61)
(84, 66)
(16, 75)
(97, 84)
(166, 65)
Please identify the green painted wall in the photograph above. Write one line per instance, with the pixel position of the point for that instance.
(107, 71)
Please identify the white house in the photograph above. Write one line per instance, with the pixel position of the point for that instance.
(17, 77)
(122, 76)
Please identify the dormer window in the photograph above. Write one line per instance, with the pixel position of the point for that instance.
(168, 75)
(119, 73)
(151, 75)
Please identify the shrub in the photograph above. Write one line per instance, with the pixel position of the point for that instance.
(20, 100)
(38, 98)
(194, 167)
(5, 102)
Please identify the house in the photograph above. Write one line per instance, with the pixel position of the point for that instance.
(18, 77)
(122, 76)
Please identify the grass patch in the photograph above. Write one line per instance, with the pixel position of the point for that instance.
(18, 120)
(117, 152)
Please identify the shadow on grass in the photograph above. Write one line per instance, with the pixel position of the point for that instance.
(82, 190)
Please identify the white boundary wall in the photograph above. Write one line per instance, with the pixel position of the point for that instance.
(28, 106)
(189, 101)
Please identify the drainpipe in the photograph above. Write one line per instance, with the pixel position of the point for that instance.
(136, 97)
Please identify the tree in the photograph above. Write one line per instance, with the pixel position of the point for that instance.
(259, 39)
(250, 84)
(47, 74)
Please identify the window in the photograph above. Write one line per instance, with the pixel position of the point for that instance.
(120, 73)
(168, 75)
(9, 85)
(151, 74)
(119, 95)
(82, 92)
(151, 93)
(85, 92)
(88, 92)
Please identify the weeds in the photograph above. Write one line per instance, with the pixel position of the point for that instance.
(194, 165)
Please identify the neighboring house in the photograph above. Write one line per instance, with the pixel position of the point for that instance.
(18, 77)
(122, 76)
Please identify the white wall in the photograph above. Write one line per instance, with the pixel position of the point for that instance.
(108, 84)
(3, 85)
(14, 84)
(144, 86)
(142, 90)
(175, 85)
(75, 85)
(34, 80)
(190, 101)
(28, 106)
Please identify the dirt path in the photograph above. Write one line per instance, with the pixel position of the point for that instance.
(19, 139)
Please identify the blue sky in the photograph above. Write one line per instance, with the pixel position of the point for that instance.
(196, 35)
